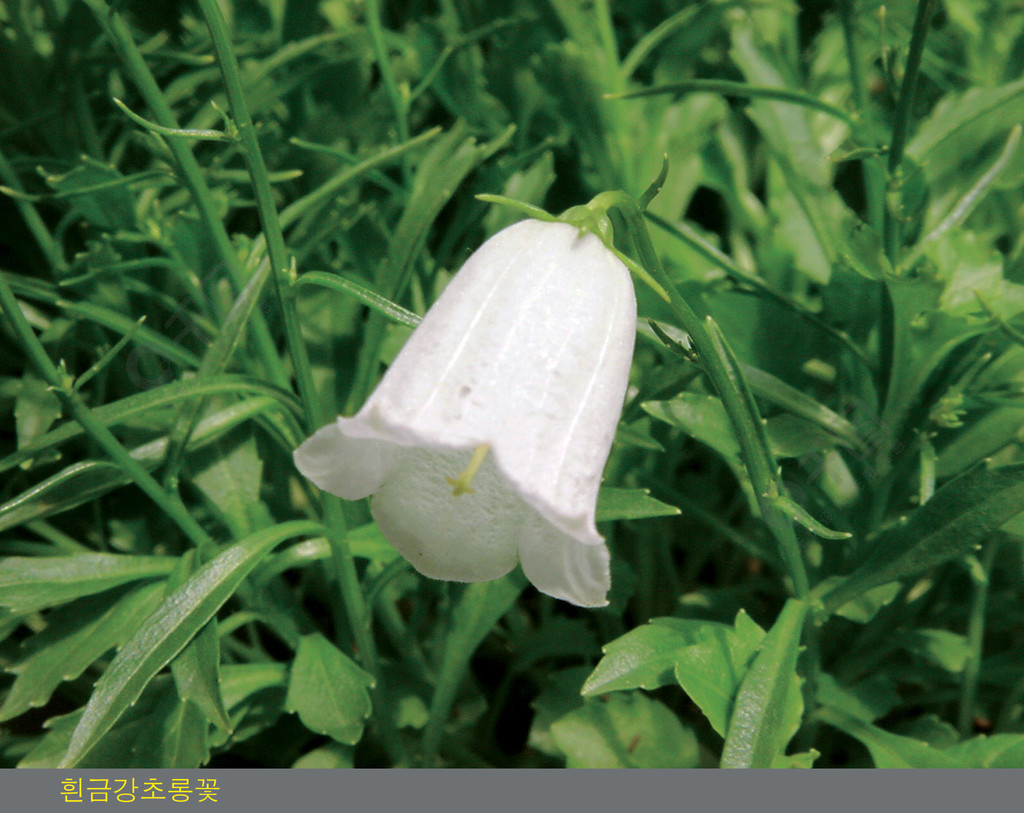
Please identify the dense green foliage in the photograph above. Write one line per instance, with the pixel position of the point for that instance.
(217, 216)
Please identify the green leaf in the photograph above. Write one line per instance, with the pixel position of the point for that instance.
(254, 695)
(947, 650)
(166, 632)
(36, 407)
(625, 731)
(801, 515)
(630, 503)
(365, 542)
(29, 583)
(996, 751)
(331, 755)
(363, 294)
(866, 700)
(644, 657)
(75, 636)
(767, 711)
(981, 438)
(197, 675)
(240, 681)
(888, 750)
(712, 670)
(793, 436)
(528, 185)
(68, 488)
(960, 125)
(703, 417)
(956, 519)
(799, 405)
(328, 690)
(230, 480)
(866, 606)
(864, 253)
(804, 760)
(107, 317)
(480, 607)
(159, 730)
(196, 669)
(182, 736)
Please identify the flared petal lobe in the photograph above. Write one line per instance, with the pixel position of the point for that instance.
(527, 352)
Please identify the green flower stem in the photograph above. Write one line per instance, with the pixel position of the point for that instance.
(874, 178)
(736, 396)
(975, 640)
(282, 276)
(901, 124)
(135, 64)
(380, 48)
(95, 429)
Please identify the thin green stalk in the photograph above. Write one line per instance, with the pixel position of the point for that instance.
(874, 178)
(380, 48)
(975, 640)
(901, 124)
(136, 67)
(282, 276)
(63, 386)
(740, 90)
(893, 209)
(736, 397)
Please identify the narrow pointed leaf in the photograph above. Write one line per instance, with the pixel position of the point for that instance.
(644, 658)
(75, 636)
(166, 632)
(630, 503)
(956, 519)
(711, 671)
(889, 750)
(762, 719)
(196, 669)
(30, 583)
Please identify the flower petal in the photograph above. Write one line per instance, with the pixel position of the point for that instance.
(467, 538)
(350, 467)
(557, 563)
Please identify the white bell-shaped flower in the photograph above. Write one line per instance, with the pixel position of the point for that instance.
(484, 442)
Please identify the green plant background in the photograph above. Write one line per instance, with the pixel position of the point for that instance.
(220, 220)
